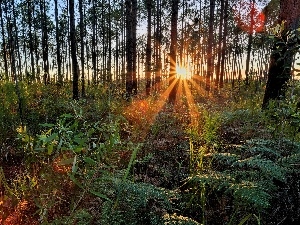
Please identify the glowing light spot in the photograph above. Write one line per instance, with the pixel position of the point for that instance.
(182, 73)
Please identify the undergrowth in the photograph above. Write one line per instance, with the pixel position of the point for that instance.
(102, 160)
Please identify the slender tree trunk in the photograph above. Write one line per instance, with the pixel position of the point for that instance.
(148, 48)
(220, 44)
(46, 77)
(16, 42)
(81, 25)
(224, 44)
(173, 51)
(134, 58)
(131, 22)
(250, 40)
(4, 50)
(94, 20)
(109, 74)
(158, 46)
(210, 58)
(30, 8)
(58, 46)
(73, 50)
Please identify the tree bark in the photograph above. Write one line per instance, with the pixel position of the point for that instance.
(283, 52)
(46, 77)
(81, 25)
(148, 48)
(131, 22)
(224, 44)
(58, 53)
(173, 51)
(4, 50)
(210, 58)
(73, 50)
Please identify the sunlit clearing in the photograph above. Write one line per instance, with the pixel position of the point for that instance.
(182, 73)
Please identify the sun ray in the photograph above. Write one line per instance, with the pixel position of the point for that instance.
(200, 90)
(193, 110)
(142, 107)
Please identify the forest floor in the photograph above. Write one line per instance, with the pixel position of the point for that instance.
(164, 161)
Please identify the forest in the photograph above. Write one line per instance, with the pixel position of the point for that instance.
(150, 112)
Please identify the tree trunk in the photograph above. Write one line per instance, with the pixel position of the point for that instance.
(4, 50)
(81, 25)
(46, 77)
(73, 50)
(210, 58)
(280, 67)
(31, 47)
(222, 13)
(224, 44)
(250, 40)
(148, 48)
(57, 38)
(94, 33)
(173, 51)
(131, 22)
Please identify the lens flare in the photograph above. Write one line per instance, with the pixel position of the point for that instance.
(182, 73)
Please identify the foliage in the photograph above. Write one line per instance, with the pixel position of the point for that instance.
(249, 163)
(174, 219)
(139, 203)
(82, 160)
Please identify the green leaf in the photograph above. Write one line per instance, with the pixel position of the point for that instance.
(50, 148)
(72, 177)
(47, 125)
(90, 161)
(51, 137)
(245, 219)
(100, 195)
(132, 158)
(78, 149)
(59, 144)
(68, 115)
(39, 149)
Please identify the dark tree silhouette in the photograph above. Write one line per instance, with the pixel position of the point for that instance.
(131, 23)
(173, 51)
(148, 48)
(73, 50)
(283, 52)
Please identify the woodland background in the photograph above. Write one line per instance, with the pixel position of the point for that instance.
(149, 112)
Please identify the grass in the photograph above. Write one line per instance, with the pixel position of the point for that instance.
(102, 160)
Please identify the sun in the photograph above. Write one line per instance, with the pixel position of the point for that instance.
(182, 73)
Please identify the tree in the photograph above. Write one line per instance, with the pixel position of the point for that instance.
(173, 51)
(57, 38)
(224, 45)
(283, 52)
(250, 40)
(43, 11)
(220, 44)
(131, 22)
(148, 48)
(81, 26)
(210, 59)
(73, 50)
(4, 50)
